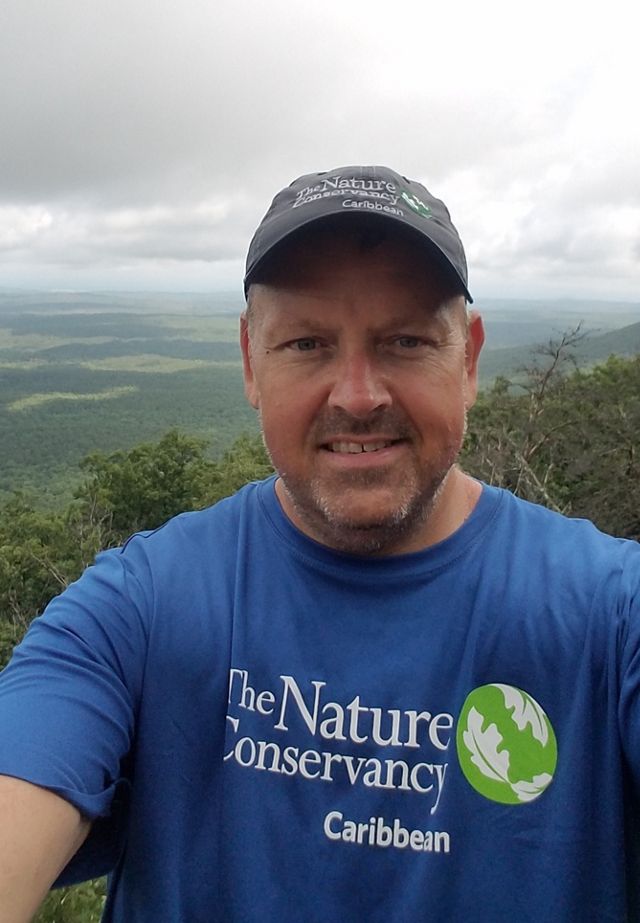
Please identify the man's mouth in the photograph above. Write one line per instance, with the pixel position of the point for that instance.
(355, 448)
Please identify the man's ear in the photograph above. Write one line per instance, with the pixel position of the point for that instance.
(475, 341)
(250, 385)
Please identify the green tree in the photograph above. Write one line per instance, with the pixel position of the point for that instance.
(598, 458)
(79, 904)
(39, 556)
(568, 441)
(142, 488)
(246, 460)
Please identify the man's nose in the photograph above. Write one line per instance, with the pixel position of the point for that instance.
(358, 387)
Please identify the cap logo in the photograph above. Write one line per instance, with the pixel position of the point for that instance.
(350, 189)
(416, 204)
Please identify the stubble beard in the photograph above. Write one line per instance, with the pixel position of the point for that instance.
(377, 536)
(320, 508)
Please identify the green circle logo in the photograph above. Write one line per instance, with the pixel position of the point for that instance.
(416, 204)
(506, 745)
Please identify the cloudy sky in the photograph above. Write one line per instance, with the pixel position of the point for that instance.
(142, 140)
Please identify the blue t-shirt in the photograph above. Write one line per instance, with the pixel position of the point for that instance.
(267, 730)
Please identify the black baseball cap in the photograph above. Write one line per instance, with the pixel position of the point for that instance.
(377, 191)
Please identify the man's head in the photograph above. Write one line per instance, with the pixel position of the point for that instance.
(361, 359)
(348, 192)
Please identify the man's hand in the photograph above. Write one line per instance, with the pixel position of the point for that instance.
(39, 833)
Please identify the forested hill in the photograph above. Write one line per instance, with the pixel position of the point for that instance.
(72, 383)
(624, 342)
(592, 348)
(184, 303)
(79, 373)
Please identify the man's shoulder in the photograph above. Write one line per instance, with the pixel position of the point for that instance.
(194, 541)
(559, 540)
(538, 514)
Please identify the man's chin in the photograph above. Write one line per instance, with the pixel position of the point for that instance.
(358, 521)
(364, 536)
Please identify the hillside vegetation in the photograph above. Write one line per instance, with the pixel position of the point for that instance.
(76, 377)
(71, 384)
(591, 349)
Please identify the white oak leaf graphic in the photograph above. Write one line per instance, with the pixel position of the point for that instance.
(483, 747)
(527, 791)
(525, 711)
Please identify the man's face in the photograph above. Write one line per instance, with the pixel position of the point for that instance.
(362, 367)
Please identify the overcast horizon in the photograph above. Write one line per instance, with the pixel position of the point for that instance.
(142, 143)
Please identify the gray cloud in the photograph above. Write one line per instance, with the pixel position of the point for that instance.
(154, 134)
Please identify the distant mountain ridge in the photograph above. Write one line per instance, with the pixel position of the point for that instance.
(85, 372)
(594, 348)
(44, 302)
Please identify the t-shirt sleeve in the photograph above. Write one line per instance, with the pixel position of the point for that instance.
(69, 696)
(629, 676)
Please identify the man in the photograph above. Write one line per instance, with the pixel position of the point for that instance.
(368, 689)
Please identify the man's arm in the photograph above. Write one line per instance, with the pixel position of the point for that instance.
(39, 833)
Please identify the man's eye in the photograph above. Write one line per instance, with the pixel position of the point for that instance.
(304, 344)
(408, 342)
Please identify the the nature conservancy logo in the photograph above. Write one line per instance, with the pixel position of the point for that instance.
(311, 734)
(363, 194)
(416, 204)
(506, 745)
